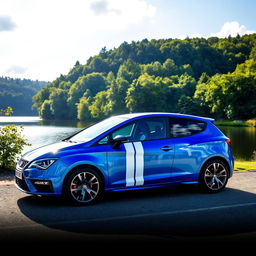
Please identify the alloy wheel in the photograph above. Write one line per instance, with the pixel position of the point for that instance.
(215, 176)
(84, 187)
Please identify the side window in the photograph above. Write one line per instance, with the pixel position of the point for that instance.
(150, 129)
(144, 129)
(182, 127)
(126, 131)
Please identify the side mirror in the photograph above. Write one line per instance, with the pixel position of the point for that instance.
(118, 140)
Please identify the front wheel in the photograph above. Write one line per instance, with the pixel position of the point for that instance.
(214, 176)
(83, 186)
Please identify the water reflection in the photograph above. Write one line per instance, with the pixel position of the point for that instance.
(243, 141)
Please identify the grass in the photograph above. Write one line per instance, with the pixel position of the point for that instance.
(247, 123)
(245, 165)
(242, 124)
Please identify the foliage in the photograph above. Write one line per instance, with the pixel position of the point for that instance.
(6, 112)
(231, 95)
(11, 144)
(251, 122)
(19, 92)
(214, 77)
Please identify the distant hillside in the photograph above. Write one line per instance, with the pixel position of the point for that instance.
(18, 93)
(158, 75)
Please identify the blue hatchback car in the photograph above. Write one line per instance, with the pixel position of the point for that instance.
(126, 152)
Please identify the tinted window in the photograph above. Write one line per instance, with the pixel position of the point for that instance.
(144, 129)
(150, 129)
(182, 127)
(126, 131)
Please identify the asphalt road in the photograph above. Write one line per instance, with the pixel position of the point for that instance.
(170, 215)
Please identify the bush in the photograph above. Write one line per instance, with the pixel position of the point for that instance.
(11, 144)
(251, 122)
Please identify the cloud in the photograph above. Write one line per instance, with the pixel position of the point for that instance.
(6, 24)
(232, 28)
(48, 39)
(122, 11)
(102, 7)
(16, 69)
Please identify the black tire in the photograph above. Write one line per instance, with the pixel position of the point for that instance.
(214, 176)
(83, 186)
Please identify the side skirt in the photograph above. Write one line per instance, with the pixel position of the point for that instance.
(151, 186)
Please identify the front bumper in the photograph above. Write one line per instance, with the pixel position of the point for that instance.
(42, 182)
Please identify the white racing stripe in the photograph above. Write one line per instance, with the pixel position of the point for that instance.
(139, 179)
(130, 168)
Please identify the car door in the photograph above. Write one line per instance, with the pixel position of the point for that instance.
(119, 164)
(154, 151)
(189, 148)
(146, 159)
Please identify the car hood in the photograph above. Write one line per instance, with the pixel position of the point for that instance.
(50, 150)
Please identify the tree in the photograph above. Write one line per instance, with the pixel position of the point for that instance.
(99, 107)
(129, 70)
(40, 97)
(116, 96)
(177, 74)
(58, 104)
(45, 111)
(85, 86)
(231, 95)
(83, 112)
(188, 83)
(147, 93)
(189, 105)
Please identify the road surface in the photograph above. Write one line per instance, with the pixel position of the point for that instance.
(170, 215)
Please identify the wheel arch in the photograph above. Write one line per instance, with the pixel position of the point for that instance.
(221, 158)
(84, 166)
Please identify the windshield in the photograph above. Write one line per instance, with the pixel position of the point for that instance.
(97, 129)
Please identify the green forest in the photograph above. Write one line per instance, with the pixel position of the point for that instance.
(210, 77)
(18, 94)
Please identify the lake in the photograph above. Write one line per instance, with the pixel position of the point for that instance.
(40, 133)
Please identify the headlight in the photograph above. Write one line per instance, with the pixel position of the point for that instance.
(42, 163)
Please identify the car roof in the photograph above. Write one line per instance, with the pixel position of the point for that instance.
(152, 114)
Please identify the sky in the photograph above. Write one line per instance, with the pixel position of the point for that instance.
(41, 39)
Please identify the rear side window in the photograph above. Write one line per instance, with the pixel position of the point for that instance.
(182, 127)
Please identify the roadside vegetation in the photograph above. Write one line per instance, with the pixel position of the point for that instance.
(11, 143)
(237, 123)
(245, 165)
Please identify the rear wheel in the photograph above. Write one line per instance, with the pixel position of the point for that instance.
(214, 176)
(84, 186)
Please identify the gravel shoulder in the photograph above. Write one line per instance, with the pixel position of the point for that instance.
(6, 177)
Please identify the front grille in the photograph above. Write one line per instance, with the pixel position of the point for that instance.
(22, 184)
(22, 163)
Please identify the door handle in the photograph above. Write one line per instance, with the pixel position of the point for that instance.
(166, 148)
